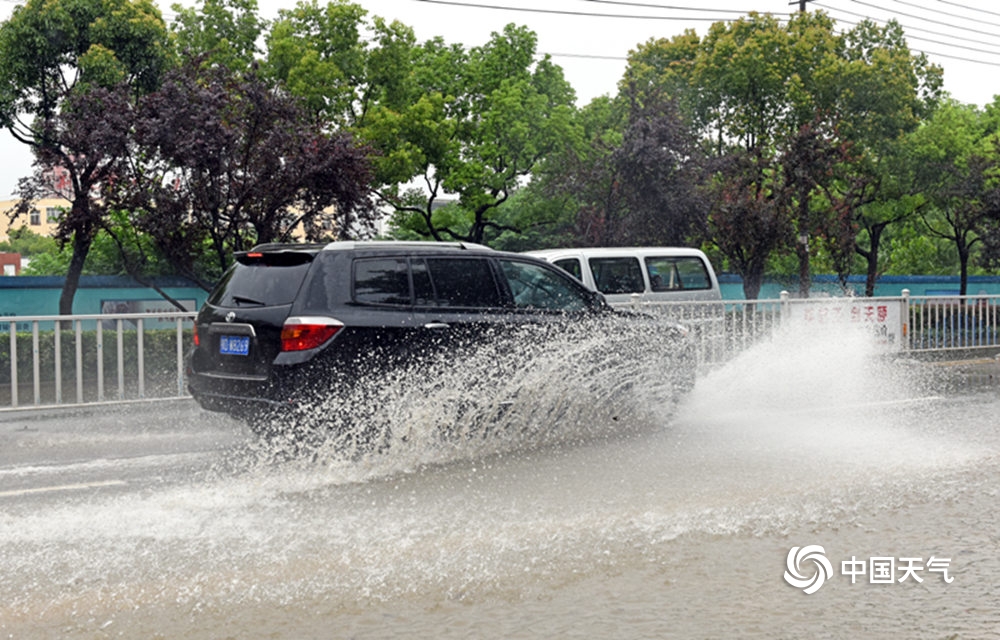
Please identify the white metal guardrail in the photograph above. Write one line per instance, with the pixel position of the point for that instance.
(724, 328)
(88, 359)
(948, 323)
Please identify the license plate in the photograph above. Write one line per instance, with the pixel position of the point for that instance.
(234, 345)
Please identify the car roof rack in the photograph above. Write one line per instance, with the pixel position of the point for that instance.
(417, 244)
(287, 246)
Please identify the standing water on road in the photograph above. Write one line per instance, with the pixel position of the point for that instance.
(680, 526)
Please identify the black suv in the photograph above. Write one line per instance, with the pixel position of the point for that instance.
(288, 322)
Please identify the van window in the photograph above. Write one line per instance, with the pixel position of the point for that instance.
(536, 287)
(571, 266)
(617, 275)
(381, 281)
(675, 274)
(463, 282)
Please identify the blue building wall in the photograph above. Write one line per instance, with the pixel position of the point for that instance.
(39, 295)
(889, 286)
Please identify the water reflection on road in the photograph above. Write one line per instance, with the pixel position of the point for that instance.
(682, 530)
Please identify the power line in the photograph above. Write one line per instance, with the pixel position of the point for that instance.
(589, 56)
(907, 29)
(948, 13)
(955, 4)
(937, 22)
(931, 52)
(660, 6)
(587, 14)
(910, 29)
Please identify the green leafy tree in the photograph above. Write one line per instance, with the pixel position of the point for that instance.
(26, 242)
(884, 91)
(581, 177)
(955, 163)
(71, 70)
(749, 219)
(911, 250)
(755, 88)
(487, 127)
(105, 258)
(340, 63)
(224, 32)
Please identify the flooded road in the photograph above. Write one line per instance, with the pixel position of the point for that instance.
(177, 524)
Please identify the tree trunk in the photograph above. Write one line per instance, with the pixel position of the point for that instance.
(871, 273)
(753, 280)
(871, 258)
(81, 247)
(751, 286)
(963, 260)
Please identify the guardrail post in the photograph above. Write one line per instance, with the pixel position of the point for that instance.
(36, 355)
(784, 304)
(57, 343)
(141, 356)
(79, 361)
(119, 326)
(906, 319)
(180, 356)
(13, 364)
(99, 335)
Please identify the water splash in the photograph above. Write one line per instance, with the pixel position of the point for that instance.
(534, 386)
(833, 399)
(799, 431)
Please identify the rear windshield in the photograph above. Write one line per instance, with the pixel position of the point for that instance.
(263, 280)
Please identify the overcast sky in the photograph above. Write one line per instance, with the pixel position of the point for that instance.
(590, 39)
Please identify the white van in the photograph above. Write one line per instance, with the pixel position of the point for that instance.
(653, 274)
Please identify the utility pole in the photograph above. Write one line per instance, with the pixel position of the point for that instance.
(802, 5)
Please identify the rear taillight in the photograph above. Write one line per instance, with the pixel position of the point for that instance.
(302, 333)
(197, 341)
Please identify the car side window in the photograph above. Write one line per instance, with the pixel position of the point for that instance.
(382, 281)
(463, 282)
(570, 266)
(538, 287)
(617, 275)
(673, 274)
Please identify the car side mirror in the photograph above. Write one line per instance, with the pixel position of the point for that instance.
(598, 301)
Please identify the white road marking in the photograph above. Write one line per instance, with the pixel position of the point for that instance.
(63, 487)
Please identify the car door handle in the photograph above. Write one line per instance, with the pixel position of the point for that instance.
(437, 325)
